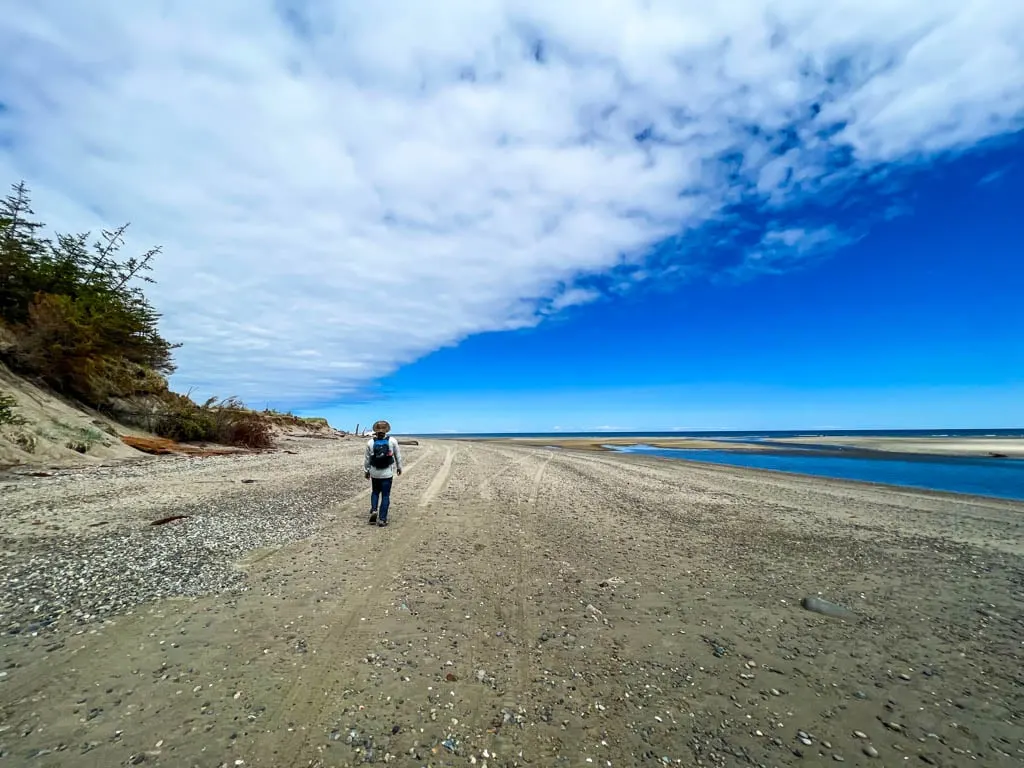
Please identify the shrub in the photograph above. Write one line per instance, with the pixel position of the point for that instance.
(7, 406)
(227, 422)
(185, 421)
(247, 429)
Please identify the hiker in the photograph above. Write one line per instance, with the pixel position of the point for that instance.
(383, 458)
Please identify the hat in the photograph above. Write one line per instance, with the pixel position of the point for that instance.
(381, 426)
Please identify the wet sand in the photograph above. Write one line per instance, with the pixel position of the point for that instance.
(1011, 447)
(605, 444)
(528, 606)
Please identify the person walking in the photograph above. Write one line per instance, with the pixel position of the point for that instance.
(383, 459)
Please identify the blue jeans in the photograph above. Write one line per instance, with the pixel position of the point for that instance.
(380, 491)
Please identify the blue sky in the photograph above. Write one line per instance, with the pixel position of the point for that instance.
(483, 215)
(918, 324)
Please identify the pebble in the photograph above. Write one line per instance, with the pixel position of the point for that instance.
(870, 751)
(68, 579)
(860, 734)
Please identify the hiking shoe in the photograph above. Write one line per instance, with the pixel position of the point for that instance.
(382, 523)
(373, 516)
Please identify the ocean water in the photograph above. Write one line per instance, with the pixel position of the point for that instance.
(982, 476)
(999, 478)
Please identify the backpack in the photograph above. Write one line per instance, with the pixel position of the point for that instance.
(382, 457)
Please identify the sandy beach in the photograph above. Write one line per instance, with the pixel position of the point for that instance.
(1011, 447)
(605, 444)
(527, 606)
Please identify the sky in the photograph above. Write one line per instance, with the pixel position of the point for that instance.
(475, 215)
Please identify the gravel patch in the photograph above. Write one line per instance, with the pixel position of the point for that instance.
(65, 580)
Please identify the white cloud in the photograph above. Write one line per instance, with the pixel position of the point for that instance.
(781, 250)
(574, 297)
(994, 176)
(347, 186)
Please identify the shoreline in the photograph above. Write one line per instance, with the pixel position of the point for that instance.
(909, 448)
(768, 475)
(1007, 447)
(956, 474)
(595, 444)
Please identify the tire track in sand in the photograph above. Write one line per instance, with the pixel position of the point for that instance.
(440, 479)
(343, 644)
(509, 521)
(524, 627)
(484, 490)
(160, 617)
(350, 504)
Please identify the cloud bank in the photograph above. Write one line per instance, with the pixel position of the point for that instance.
(342, 187)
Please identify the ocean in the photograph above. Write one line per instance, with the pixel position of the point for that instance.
(980, 476)
(999, 478)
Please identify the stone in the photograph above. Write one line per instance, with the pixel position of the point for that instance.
(827, 608)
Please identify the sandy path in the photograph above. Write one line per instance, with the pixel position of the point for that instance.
(543, 607)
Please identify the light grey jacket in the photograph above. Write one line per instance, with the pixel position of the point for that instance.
(388, 471)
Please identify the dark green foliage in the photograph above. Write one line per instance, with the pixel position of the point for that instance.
(7, 406)
(82, 323)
